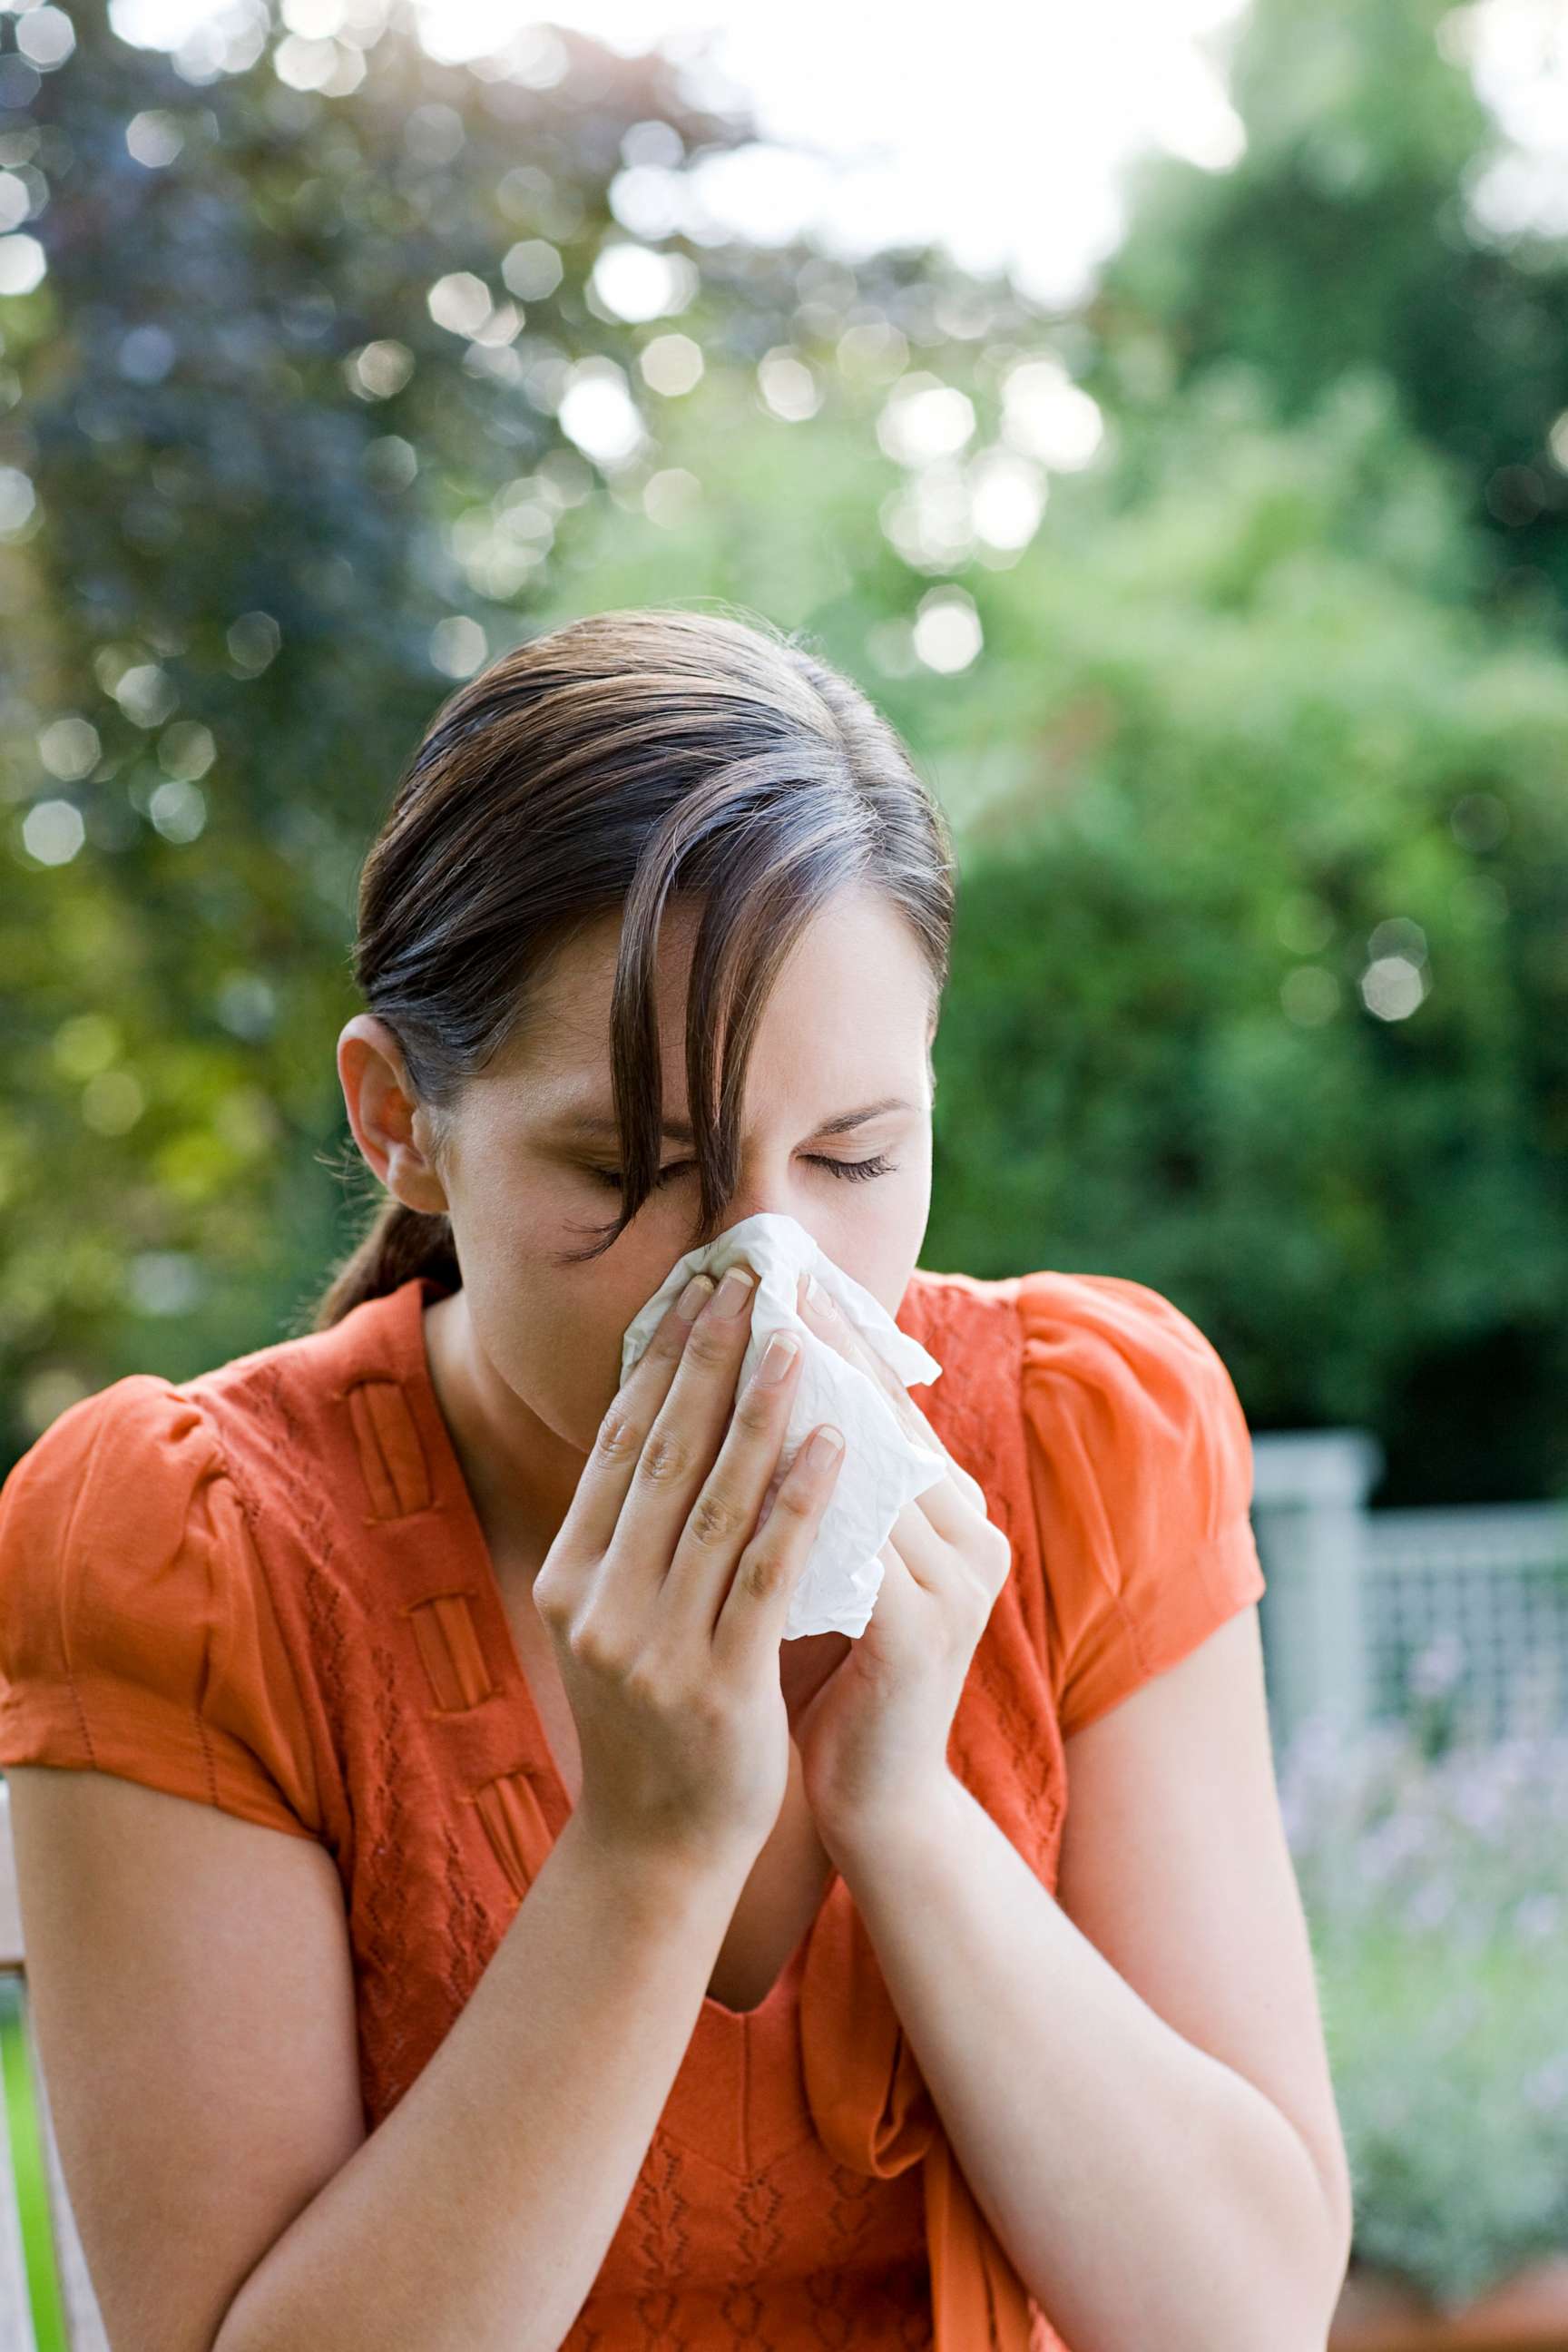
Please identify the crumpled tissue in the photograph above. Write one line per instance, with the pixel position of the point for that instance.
(883, 1467)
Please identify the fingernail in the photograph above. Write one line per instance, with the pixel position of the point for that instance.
(732, 1291)
(777, 1357)
(823, 1447)
(818, 1296)
(689, 1306)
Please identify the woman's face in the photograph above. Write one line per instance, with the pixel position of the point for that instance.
(522, 1176)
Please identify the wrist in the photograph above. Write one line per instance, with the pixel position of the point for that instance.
(922, 1812)
(660, 1875)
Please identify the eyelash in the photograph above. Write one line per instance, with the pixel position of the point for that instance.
(851, 1170)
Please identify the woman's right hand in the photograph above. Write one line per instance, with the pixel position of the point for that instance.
(666, 1601)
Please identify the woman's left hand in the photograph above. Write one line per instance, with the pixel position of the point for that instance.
(874, 1735)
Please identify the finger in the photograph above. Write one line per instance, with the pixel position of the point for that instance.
(957, 1493)
(595, 1506)
(934, 1544)
(951, 1510)
(940, 1564)
(677, 1454)
(751, 1623)
(723, 1518)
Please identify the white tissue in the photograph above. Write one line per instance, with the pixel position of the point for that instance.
(883, 1469)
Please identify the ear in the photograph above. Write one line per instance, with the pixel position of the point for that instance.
(390, 1125)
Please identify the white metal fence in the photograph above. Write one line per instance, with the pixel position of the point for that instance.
(1458, 1612)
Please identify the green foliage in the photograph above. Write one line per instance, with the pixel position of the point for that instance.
(1350, 236)
(1272, 763)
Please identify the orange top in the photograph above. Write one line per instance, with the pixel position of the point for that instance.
(267, 1590)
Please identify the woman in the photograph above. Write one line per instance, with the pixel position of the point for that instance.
(818, 2025)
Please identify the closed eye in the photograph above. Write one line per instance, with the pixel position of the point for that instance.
(860, 1171)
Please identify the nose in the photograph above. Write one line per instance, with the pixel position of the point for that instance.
(771, 1200)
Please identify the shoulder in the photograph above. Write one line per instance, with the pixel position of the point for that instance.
(1102, 1350)
(1141, 1467)
(136, 1632)
(115, 1529)
(139, 1439)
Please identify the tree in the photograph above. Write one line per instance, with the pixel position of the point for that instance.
(1349, 238)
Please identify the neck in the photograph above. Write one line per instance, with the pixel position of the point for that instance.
(519, 1474)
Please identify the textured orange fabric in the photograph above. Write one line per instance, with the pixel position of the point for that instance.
(267, 1590)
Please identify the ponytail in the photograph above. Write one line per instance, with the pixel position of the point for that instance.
(401, 1243)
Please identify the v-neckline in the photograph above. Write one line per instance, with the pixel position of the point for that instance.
(453, 1496)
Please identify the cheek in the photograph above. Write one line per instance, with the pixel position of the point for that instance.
(517, 1227)
(556, 1354)
(893, 1236)
(567, 1325)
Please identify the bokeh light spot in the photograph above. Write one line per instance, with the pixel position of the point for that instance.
(53, 832)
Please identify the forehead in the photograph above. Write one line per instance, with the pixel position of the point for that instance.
(586, 1120)
(857, 944)
(830, 1071)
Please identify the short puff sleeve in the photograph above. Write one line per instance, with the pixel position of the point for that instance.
(1140, 1469)
(137, 1635)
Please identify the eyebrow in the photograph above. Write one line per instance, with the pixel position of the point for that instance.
(589, 1126)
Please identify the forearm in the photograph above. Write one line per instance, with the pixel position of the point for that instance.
(1145, 2192)
(476, 2218)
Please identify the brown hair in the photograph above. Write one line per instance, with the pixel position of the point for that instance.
(604, 765)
